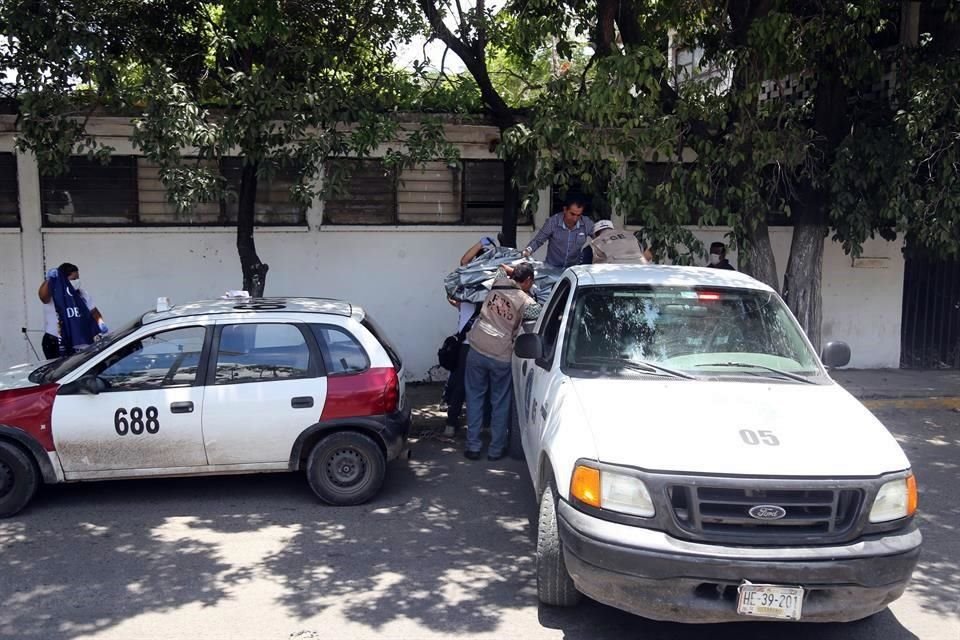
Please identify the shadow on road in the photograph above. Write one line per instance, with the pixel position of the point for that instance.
(447, 545)
(591, 620)
(932, 442)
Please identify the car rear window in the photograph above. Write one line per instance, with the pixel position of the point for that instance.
(342, 354)
(381, 337)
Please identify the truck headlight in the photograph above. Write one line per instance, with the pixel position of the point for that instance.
(896, 499)
(613, 491)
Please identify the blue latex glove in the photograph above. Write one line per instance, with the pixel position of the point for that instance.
(103, 326)
(53, 274)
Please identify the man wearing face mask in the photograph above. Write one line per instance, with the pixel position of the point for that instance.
(71, 320)
(718, 257)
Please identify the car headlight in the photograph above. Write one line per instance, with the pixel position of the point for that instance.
(613, 491)
(896, 499)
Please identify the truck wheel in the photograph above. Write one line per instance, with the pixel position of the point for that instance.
(554, 584)
(515, 446)
(346, 468)
(18, 479)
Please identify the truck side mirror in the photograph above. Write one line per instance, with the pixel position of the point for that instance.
(528, 346)
(836, 354)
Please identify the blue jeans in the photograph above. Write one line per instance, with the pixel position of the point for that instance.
(486, 376)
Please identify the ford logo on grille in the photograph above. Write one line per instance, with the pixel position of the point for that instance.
(767, 512)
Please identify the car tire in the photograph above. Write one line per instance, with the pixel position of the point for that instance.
(346, 468)
(515, 446)
(18, 479)
(554, 585)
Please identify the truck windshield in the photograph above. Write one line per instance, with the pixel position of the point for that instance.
(716, 331)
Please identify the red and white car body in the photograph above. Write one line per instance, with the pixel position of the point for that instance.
(216, 387)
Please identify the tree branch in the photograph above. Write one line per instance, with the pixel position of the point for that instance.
(503, 115)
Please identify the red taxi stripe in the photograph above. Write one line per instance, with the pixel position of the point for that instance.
(29, 409)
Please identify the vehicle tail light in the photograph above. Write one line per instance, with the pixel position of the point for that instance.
(391, 391)
(373, 392)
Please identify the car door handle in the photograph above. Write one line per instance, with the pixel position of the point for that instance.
(181, 407)
(302, 402)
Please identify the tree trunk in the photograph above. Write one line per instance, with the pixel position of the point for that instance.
(756, 257)
(508, 224)
(254, 271)
(802, 282)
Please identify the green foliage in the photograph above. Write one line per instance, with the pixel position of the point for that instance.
(282, 83)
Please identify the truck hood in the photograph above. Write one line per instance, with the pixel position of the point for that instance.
(17, 377)
(694, 426)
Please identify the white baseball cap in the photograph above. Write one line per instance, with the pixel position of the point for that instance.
(600, 225)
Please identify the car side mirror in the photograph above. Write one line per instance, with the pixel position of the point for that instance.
(528, 346)
(836, 354)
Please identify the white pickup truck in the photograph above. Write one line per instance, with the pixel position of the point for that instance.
(695, 463)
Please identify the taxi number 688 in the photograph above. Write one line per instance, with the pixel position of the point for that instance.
(139, 421)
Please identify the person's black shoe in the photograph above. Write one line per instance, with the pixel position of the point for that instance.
(471, 455)
(493, 458)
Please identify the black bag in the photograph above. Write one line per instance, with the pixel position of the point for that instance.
(449, 352)
(448, 355)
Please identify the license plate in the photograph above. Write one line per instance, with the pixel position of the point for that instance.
(770, 601)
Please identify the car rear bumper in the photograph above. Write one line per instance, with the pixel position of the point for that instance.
(395, 428)
(653, 575)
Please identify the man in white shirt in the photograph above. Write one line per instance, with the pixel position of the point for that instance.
(51, 320)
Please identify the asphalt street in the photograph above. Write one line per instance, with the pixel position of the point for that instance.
(446, 549)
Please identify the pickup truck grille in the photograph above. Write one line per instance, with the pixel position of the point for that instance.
(723, 513)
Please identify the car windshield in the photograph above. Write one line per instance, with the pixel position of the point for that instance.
(55, 369)
(697, 331)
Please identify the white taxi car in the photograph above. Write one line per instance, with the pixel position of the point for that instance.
(216, 387)
(695, 463)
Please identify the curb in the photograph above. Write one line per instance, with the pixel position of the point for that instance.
(946, 402)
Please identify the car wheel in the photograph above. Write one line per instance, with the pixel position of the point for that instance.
(554, 584)
(515, 447)
(346, 468)
(18, 479)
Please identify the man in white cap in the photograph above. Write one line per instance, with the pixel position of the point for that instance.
(610, 246)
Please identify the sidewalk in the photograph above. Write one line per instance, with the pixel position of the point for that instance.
(876, 388)
(902, 388)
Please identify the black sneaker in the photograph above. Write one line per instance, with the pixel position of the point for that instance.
(471, 455)
(493, 458)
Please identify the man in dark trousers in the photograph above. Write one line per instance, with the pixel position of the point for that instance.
(455, 392)
(718, 257)
(71, 320)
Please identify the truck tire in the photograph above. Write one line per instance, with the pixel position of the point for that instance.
(18, 479)
(554, 585)
(346, 468)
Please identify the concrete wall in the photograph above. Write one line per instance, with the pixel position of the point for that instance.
(396, 273)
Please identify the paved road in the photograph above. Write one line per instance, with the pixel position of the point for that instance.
(446, 550)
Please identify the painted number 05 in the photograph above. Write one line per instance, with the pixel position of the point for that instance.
(759, 437)
(138, 422)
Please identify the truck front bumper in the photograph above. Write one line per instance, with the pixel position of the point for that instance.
(654, 575)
